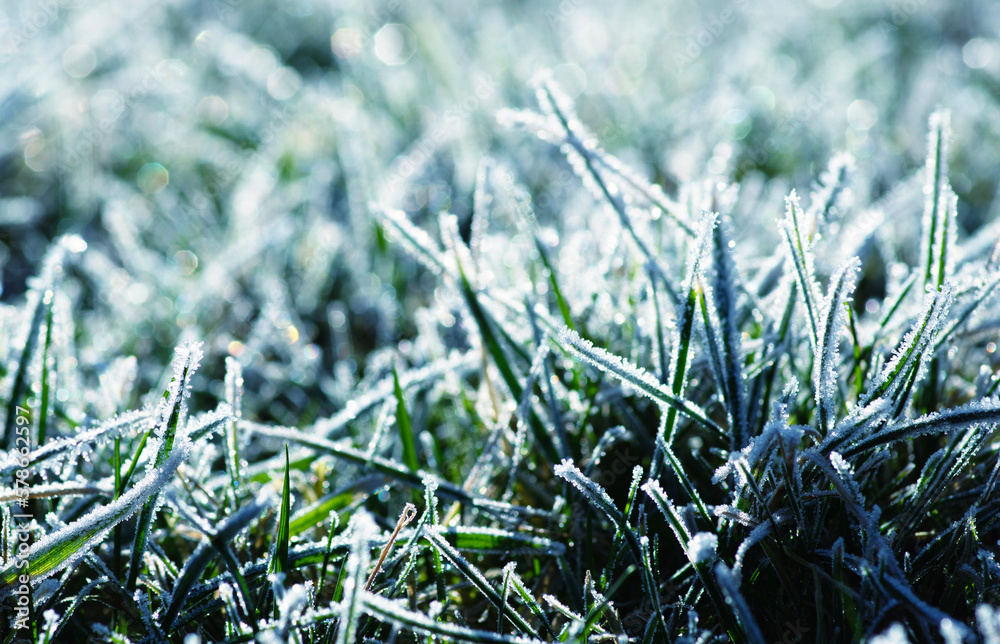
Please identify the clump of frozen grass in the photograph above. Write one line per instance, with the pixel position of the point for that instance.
(812, 449)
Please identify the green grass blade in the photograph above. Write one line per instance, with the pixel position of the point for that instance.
(399, 615)
(20, 385)
(405, 427)
(469, 571)
(279, 558)
(485, 324)
(798, 243)
(513, 579)
(827, 361)
(680, 358)
(172, 414)
(362, 530)
(934, 240)
(45, 395)
(64, 547)
(636, 378)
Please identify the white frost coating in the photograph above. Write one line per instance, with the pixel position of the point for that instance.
(988, 621)
(290, 608)
(920, 335)
(701, 549)
(417, 242)
(756, 535)
(187, 357)
(952, 631)
(842, 466)
(209, 422)
(800, 251)
(546, 128)
(398, 614)
(842, 286)
(569, 472)
(94, 526)
(125, 425)
(832, 196)
(362, 530)
(896, 634)
(637, 377)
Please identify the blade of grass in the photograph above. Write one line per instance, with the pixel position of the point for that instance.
(405, 427)
(636, 378)
(172, 414)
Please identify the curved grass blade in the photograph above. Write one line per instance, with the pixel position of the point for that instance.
(739, 606)
(599, 499)
(20, 385)
(910, 352)
(512, 579)
(554, 103)
(985, 412)
(486, 324)
(722, 309)
(398, 614)
(934, 227)
(40, 299)
(64, 547)
(46, 384)
(680, 358)
(636, 378)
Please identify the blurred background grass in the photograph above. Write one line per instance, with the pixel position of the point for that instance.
(220, 157)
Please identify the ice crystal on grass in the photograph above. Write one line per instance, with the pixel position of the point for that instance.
(702, 547)
(362, 530)
(831, 326)
(795, 232)
(63, 548)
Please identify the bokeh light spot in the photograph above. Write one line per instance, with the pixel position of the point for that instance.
(79, 61)
(346, 43)
(212, 110)
(395, 44)
(153, 178)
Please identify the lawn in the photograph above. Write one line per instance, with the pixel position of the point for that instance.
(499, 322)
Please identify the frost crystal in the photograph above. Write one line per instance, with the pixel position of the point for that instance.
(895, 634)
(702, 548)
